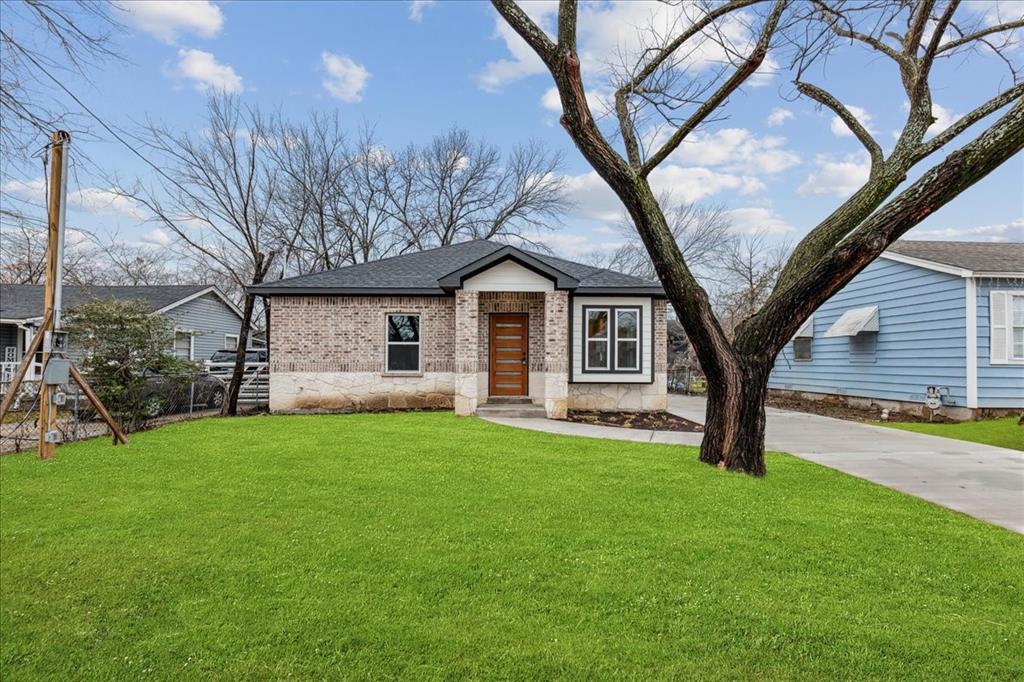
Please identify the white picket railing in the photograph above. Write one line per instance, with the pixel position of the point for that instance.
(255, 386)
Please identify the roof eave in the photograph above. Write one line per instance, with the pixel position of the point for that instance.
(271, 290)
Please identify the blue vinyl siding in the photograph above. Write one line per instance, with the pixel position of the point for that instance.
(998, 385)
(209, 318)
(921, 339)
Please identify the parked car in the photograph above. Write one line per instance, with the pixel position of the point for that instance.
(167, 395)
(252, 355)
(163, 395)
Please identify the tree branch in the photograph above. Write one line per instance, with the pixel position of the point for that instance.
(522, 24)
(999, 28)
(826, 99)
(966, 121)
(742, 73)
(940, 185)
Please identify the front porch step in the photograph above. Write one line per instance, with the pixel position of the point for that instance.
(511, 411)
(508, 400)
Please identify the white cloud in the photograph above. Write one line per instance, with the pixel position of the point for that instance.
(598, 101)
(779, 116)
(997, 232)
(522, 61)
(943, 119)
(416, 8)
(594, 200)
(104, 202)
(842, 130)
(737, 150)
(157, 236)
(607, 30)
(94, 200)
(206, 74)
(31, 190)
(758, 219)
(574, 246)
(999, 12)
(167, 20)
(345, 79)
(839, 177)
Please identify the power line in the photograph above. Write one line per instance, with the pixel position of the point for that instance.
(110, 130)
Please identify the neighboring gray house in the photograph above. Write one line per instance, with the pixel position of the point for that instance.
(928, 317)
(201, 316)
(465, 325)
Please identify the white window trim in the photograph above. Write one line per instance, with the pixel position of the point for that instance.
(227, 346)
(1005, 329)
(635, 367)
(587, 339)
(419, 350)
(191, 342)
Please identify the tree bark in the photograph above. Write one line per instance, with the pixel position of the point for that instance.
(735, 419)
(230, 407)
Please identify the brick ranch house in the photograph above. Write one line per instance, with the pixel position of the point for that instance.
(463, 325)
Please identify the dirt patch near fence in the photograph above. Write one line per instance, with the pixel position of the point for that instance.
(651, 421)
(828, 408)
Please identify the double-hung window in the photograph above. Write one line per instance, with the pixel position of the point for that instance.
(612, 340)
(403, 345)
(1006, 317)
(597, 355)
(627, 339)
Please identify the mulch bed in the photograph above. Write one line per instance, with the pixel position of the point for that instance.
(828, 408)
(651, 421)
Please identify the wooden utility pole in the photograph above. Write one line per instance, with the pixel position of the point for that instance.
(48, 338)
(52, 293)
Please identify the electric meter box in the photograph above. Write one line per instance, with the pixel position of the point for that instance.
(57, 371)
(55, 342)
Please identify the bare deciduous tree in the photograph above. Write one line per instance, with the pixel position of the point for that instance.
(702, 233)
(913, 34)
(466, 190)
(39, 37)
(217, 195)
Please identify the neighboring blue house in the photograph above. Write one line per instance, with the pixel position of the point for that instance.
(939, 319)
(202, 318)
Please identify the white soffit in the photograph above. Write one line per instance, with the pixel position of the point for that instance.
(806, 330)
(855, 321)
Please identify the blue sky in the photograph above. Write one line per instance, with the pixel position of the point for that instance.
(413, 69)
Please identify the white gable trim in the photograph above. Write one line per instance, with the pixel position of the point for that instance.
(508, 276)
(927, 264)
(208, 290)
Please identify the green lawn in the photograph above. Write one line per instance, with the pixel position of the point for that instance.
(428, 546)
(1002, 432)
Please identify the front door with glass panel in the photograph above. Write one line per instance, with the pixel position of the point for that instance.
(509, 361)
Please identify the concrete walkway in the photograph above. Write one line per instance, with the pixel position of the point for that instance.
(979, 480)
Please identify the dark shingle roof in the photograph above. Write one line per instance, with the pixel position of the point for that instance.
(418, 273)
(979, 257)
(25, 301)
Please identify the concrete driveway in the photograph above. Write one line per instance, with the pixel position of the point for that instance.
(980, 480)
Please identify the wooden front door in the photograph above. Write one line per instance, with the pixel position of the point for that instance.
(510, 362)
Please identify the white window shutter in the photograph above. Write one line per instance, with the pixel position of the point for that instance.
(998, 304)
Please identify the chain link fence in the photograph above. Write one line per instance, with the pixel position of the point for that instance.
(687, 381)
(158, 399)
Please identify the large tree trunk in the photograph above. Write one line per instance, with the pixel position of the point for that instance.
(230, 407)
(735, 420)
(260, 269)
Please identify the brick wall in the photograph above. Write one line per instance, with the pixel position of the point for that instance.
(660, 335)
(348, 333)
